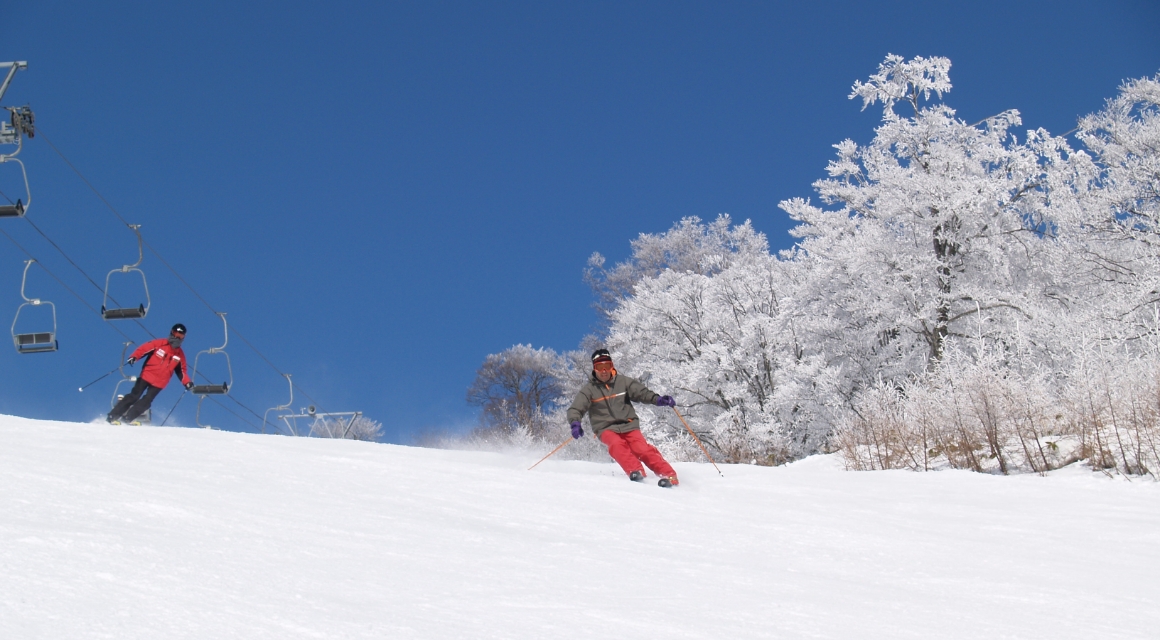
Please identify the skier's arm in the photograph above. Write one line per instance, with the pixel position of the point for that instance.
(579, 407)
(637, 392)
(144, 349)
(179, 371)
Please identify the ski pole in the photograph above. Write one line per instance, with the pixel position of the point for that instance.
(174, 407)
(99, 379)
(698, 441)
(570, 438)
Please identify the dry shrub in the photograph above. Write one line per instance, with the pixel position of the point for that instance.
(991, 417)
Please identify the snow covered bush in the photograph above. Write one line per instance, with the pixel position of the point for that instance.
(983, 415)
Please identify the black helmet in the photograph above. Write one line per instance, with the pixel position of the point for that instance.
(178, 330)
(600, 355)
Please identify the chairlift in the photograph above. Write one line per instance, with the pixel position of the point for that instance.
(214, 389)
(128, 313)
(35, 342)
(147, 416)
(21, 124)
(18, 208)
(281, 407)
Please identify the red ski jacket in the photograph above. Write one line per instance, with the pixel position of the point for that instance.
(161, 362)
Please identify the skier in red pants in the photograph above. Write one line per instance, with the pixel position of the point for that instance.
(163, 359)
(607, 399)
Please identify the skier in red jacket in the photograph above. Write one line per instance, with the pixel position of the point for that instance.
(163, 358)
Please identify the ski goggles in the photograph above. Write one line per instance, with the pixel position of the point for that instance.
(604, 365)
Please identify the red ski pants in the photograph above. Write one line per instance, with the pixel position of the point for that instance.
(630, 449)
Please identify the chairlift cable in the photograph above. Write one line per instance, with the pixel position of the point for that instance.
(234, 413)
(239, 403)
(62, 283)
(82, 177)
(113, 209)
(82, 271)
(126, 222)
(232, 328)
(66, 256)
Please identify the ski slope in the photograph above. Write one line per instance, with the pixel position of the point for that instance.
(144, 532)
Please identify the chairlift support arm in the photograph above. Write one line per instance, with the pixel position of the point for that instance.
(204, 389)
(281, 407)
(12, 67)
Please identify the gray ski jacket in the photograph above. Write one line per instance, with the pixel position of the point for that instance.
(609, 404)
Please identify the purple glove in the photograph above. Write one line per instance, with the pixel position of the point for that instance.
(577, 430)
(666, 401)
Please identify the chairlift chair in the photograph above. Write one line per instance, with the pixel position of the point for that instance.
(38, 341)
(214, 389)
(147, 416)
(128, 313)
(22, 125)
(16, 209)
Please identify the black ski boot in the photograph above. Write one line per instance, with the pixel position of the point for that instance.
(636, 476)
(667, 482)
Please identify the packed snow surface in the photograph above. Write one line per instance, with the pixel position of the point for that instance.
(140, 532)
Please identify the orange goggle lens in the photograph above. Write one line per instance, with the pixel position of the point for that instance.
(603, 366)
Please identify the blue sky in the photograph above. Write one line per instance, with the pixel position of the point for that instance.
(381, 194)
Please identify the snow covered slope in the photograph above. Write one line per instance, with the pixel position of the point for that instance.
(139, 532)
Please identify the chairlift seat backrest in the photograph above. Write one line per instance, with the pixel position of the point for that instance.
(35, 342)
(210, 389)
(12, 210)
(130, 313)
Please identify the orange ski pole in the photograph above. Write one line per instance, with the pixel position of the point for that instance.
(695, 438)
(553, 452)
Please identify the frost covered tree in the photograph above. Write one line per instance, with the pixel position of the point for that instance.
(964, 292)
(1073, 375)
(937, 233)
(1113, 237)
(933, 232)
(516, 388)
(937, 230)
(689, 247)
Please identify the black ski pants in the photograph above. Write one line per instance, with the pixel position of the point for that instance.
(135, 402)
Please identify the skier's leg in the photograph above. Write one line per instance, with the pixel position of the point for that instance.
(648, 454)
(143, 404)
(128, 399)
(618, 449)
